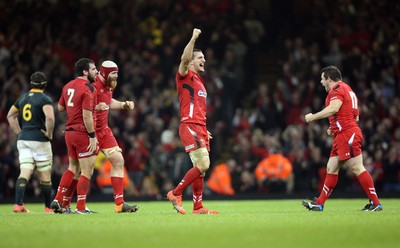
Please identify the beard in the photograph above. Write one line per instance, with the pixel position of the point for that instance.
(111, 82)
(91, 78)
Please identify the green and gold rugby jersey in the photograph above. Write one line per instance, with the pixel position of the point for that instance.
(31, 115)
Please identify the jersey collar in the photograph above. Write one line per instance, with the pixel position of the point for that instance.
(36, 90)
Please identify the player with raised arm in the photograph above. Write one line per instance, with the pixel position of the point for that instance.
(343, 113)
(192, 130)
(35, 110)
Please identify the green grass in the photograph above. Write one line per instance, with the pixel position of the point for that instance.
(263, 223)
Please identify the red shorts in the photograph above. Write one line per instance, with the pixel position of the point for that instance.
(347, 144)
(194, 136)
(106, 138)
(77, 143)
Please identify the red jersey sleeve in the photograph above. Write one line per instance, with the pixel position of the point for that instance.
(61, 101)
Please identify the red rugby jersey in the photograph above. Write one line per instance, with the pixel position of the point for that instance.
(104, 94)
(346, 117)
(192, 98)
(77, 95)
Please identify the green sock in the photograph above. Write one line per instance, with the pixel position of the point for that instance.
(46, 191)
(20, 187)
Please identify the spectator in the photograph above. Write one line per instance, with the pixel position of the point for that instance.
(220, 180)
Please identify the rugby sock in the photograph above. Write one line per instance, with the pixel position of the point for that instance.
(367, 184)
(65, 181)
(45, 187)
(198, 187)
(188, 179)
(329, 184)
(118, 187)
(70, 192)
(20, 187)
(82, 190)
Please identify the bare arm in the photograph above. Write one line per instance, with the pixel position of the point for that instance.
(188, 53)
(12, 118)
(50, 120)
(89, 125)
(61, 108)
(88, 120)
(330, 110)
(121, 105)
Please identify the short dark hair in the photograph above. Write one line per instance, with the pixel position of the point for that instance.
(38, 80)
(196, 50)
(332, 72)
(82, 65)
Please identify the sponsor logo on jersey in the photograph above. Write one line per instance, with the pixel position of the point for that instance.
(189, 147)
(83, 154)
(202, 93)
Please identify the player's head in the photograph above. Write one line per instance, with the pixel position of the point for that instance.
(108, 68)
(331, 72)
(38, 80)
(85, 67)
(109, 71)
(330, 75)
(198, 61)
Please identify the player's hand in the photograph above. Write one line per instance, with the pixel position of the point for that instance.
(92, 147)
(48, 135)
(309, 117)
(196, 33)
(329, 131)
(128, 105)
(209, 135)
(101, 106)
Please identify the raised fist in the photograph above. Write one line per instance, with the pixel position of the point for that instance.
(196, 33)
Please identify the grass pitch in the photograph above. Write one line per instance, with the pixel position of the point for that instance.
(262, 223)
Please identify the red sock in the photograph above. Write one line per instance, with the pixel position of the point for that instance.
(198, 188)
(367, 184)
(329, 184)
(118, 187)
(188, 179)
(82, 190)
(65, 182)
(70, 192)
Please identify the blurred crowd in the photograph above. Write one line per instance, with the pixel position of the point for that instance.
(251, 120)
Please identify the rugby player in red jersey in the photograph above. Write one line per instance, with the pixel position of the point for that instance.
(192, 130)
(343, 113)
(78, 99)
(105, 84)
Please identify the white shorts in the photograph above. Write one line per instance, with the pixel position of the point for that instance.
(38, 151)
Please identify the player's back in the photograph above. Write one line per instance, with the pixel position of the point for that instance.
(345, 118)
(77, 95)
(31, 115)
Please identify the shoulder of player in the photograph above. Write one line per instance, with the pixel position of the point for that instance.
(190, 75)
(340, 87)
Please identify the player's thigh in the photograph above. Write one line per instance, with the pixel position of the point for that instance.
(348, 144)
(356, 165)
(200, 158)
(25, 155)
(77, 144)
(193, 137)
(87, 165)
(45, 175)
(333, 165)
(106, 139)
(35, 153)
